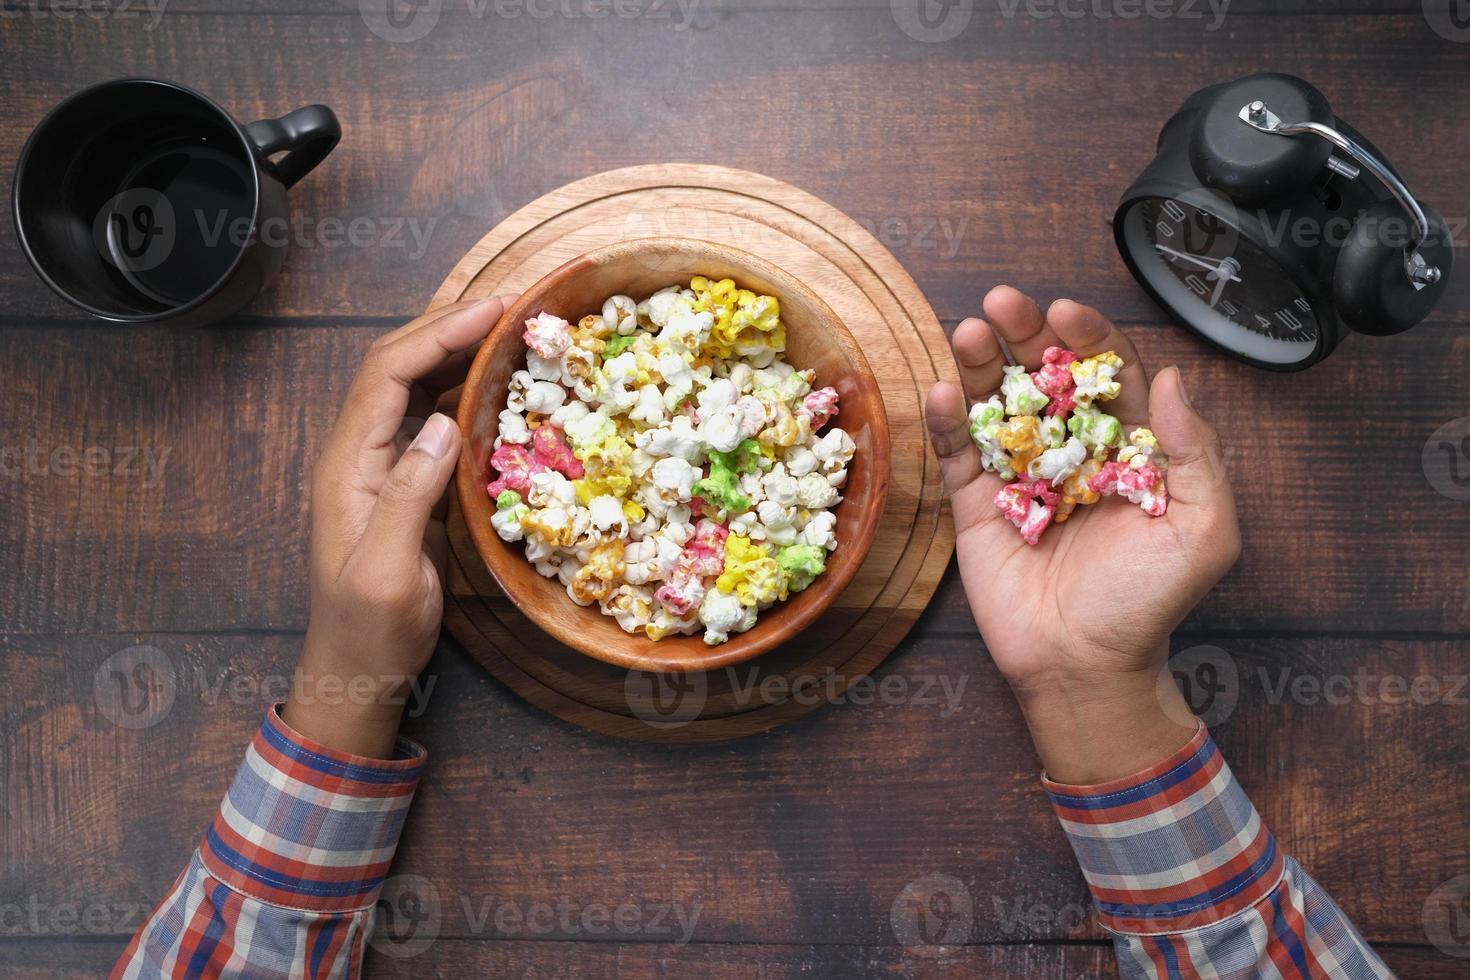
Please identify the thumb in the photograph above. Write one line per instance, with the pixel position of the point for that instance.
(394, 537)
(1196, 475)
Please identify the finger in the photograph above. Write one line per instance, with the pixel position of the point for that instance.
(394, 537)
(1019, 321)
(980, 358)
(969, 488)
(1196, 474)
(1085, 332)
(380, 393)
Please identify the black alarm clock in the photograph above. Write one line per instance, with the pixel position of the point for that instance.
(1270, 227)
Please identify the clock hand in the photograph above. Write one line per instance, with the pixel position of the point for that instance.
(1214, 267)
(1219, 288)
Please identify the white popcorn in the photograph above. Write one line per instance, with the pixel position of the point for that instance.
(780, 486)
(650, 560)
(686, 331)
(678, 439)
(751, 485)
(742, 376)
(544, 397)
(717, 395)
(513, 428)
(542, 555)
(571, 412)
(661, 305)
(550, 489)
(778, 522)
(620, 313)
(543, 368)
(721, 430)
(800, 461)
(814, 492)
(748, 524)
(675, 476)
(752, 414)
(722, 614)
(630, 605)
(649, 525)
(675, 372)
(820, 530)
(507, 522)
(567, 571)
(666, 622)
(515, 394)
(1055, 465)
(579, 373)
(606, 514)
(650, 406)
(589, 430)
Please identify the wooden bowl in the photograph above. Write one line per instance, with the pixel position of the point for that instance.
(815, 338)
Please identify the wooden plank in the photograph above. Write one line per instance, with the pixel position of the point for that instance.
(71, 960)
(448, 134)
(1326, 465)
(809, 834)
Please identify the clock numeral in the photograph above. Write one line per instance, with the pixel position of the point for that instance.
(1288, 319)
(1230, 308)
(1196, 284)
(1264, 323)
(1303, 305)
(1165, 229)
(1173, 210)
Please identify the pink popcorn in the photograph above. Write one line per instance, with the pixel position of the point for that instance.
(704, 554)
(1142, 485)
(681, 594)
(548, 335)
(819, 406)
(514, 464)
(1056, 382)
(1029, 504)
(551, 451)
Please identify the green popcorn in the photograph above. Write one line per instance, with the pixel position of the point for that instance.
(801, 564)
(1095, 429)
(721, 489)
(507, 498)
(984, 417)
(1053, 432)
(1020, 391)
(617, 345)
(744, 458)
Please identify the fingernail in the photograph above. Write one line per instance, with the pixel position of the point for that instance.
(1183, 391)
(434, 437)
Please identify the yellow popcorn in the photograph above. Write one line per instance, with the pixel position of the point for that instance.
(751, 574)
(597, 579)
(1020, 437)
(633, 511)
(606, 469)
(1075, 491)
(786, 428)
(744, 321)
(552, 525)
(1094, 376)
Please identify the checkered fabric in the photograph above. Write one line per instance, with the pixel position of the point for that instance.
(1192, 884)
(284, 881)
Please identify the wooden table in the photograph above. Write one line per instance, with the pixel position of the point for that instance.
(995, 156)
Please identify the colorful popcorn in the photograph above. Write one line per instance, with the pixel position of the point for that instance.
(1046, 436)
(661, 459)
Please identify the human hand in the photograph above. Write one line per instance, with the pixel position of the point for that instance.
(378, 544)
(1079, 623)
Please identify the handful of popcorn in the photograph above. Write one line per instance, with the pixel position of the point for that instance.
(1048, 436)
(662, 460)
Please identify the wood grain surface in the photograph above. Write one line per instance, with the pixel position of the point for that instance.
(153, 490)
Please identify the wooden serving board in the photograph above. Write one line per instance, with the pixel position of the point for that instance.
(906, 349)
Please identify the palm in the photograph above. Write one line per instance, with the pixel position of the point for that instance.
(1101, 591)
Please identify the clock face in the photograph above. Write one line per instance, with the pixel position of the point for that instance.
(1219, 282)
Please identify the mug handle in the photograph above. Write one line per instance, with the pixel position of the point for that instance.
(307, 135)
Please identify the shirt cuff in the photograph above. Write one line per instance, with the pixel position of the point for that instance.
(1170, 849)
(305, 826)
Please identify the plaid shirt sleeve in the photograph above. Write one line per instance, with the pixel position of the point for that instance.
(284, 881)
(1191, 883)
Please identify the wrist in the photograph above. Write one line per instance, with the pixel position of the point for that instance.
(345, 708)
(1093, 727)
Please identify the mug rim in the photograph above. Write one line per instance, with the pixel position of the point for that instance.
(50, 117)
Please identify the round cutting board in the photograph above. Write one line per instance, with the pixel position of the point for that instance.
(907, 350)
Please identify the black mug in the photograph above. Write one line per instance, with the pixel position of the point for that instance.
(140, 200)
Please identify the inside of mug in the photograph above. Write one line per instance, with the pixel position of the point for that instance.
(136, 198)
